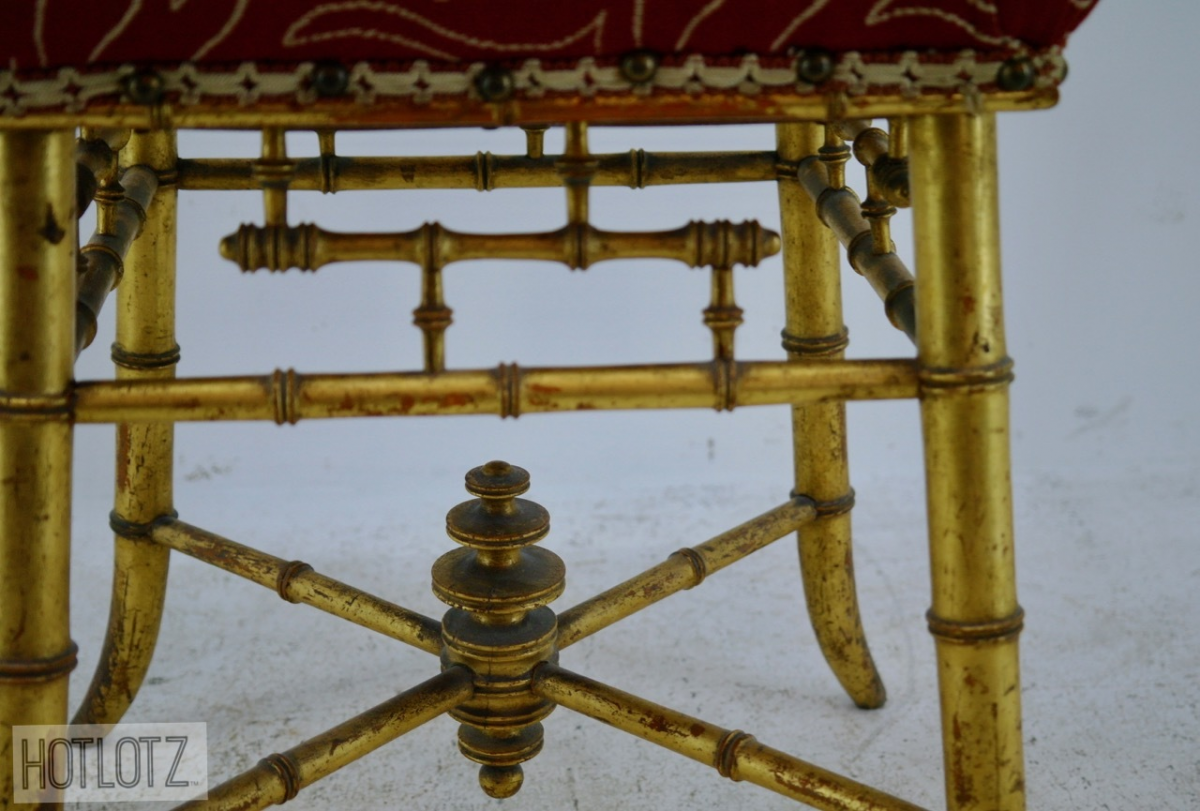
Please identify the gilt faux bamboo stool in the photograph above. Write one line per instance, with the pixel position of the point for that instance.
(90, 103)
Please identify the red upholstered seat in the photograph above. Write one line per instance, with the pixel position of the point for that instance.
(72, 55)
(55, 33)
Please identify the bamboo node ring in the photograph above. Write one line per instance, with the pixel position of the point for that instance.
(727, 751)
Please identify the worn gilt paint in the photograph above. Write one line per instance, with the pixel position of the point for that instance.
(499, 641)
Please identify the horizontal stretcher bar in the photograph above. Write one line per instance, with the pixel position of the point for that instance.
(482, 172)
(278, 777)
(308, 247)
(684, 569)
(297, 582)
(733, 753)
(508, 391)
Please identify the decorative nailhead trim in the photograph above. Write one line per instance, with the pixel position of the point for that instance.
(908, 74)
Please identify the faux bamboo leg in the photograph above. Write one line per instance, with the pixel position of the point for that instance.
(965, 372)
(815, 332)
(37, 338)
(145, 350)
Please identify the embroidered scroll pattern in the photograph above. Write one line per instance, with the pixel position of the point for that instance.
(232, 31)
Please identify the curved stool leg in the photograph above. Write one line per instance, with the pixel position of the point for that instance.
(37, 349)
(145, 349)
(812, 265)
(965, 372)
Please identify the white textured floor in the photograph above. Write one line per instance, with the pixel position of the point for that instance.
(1111, 653)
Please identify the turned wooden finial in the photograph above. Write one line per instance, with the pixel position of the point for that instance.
(499, 586)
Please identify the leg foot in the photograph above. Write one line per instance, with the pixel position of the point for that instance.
(815, 332)
(145, 350)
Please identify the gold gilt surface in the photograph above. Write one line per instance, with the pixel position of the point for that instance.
(498, 643)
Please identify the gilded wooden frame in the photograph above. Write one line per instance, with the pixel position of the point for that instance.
(943, 146)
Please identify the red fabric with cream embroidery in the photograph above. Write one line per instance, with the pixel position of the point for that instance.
(48, 34)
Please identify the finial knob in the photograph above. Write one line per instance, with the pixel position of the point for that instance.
(501, 781)
(498, 585)
(497, 480)
(497, 520)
